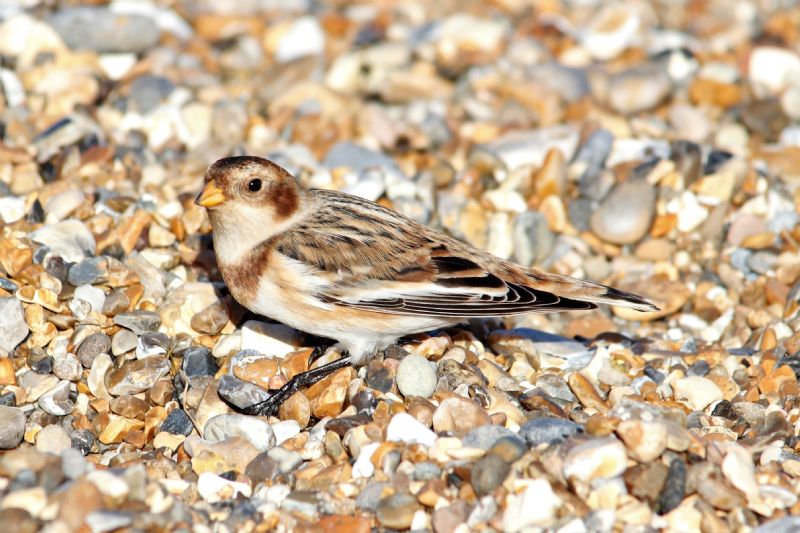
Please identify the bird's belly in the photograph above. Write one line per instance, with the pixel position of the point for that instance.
(300, 309)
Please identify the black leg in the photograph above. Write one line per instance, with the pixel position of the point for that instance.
(270, 406)
(319, 351)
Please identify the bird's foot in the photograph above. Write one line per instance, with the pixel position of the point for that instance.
(304, 379)
(320, 350)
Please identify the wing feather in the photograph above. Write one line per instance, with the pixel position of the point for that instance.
(372, 258)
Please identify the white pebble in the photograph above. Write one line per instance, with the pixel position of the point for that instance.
(416, 376)
(405, 428)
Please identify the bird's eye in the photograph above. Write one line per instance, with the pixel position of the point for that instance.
(254, 185)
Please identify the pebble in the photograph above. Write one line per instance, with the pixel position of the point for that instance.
(535, 506)
(405, 428)
(548, 430)
(275, 340)
(139, 322)
(484, 437)
(123, 341)
(13, 328)
(88, 272)
(595, 459)
(608, 149)
(177, 422)
(488, 473)
(53, 439)
(697, 392)
(416, 376)
(397, 511)
(12, 427)
(93, 295)
(624, 217)
(459, 416)
(214, 488)
(92, 346)
(259, 433)
(70, 239)
(104, 30)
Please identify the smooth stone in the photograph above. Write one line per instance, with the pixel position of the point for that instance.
(287, 460)
(68, 368)
(117, 301)
(484, 437)
(304, 37)
(532, 238)
(61, 205)
(70, 239)
(610, 31)
(772, 69)
(645, 440)
(12, 208)
(214, 488)
(548, 430)
(459, 416)
(625, 215)
(397, 511)
(285, 430)
(147, 92)
(405, 428)
(304, 502)
(53, 439)
(13, 328)
(92, 346)
(596, 459)
(103, 30)
(369, 497)
(106, 521)
(416, 376)
(12, 427)
(697, 392)
(638, 89)
(56, 401)
(139, 322)
(270, 339)
(123, 341)
(488, 474)
(258, 432)
(535, 506)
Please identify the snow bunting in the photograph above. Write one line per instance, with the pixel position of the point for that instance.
(345, 268)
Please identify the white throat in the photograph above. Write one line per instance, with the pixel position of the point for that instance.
(239, 229)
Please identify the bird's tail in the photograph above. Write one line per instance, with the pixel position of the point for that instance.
(596, 293)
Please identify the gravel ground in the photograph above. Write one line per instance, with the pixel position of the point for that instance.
(654, 146)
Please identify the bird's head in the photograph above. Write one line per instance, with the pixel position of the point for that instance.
(249, 199)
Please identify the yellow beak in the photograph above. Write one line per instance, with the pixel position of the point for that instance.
(211, 195)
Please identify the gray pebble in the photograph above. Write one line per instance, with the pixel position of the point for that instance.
(102, 30)
(12, 427)
(548, 430)
(92, 346)
(139, 321)
(484, 437)
(123, 341)
(626, 213)
(13, 328)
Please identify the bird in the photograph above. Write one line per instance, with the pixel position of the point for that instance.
(344, 268)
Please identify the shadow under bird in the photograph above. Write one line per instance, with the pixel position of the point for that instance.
(341, 267)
